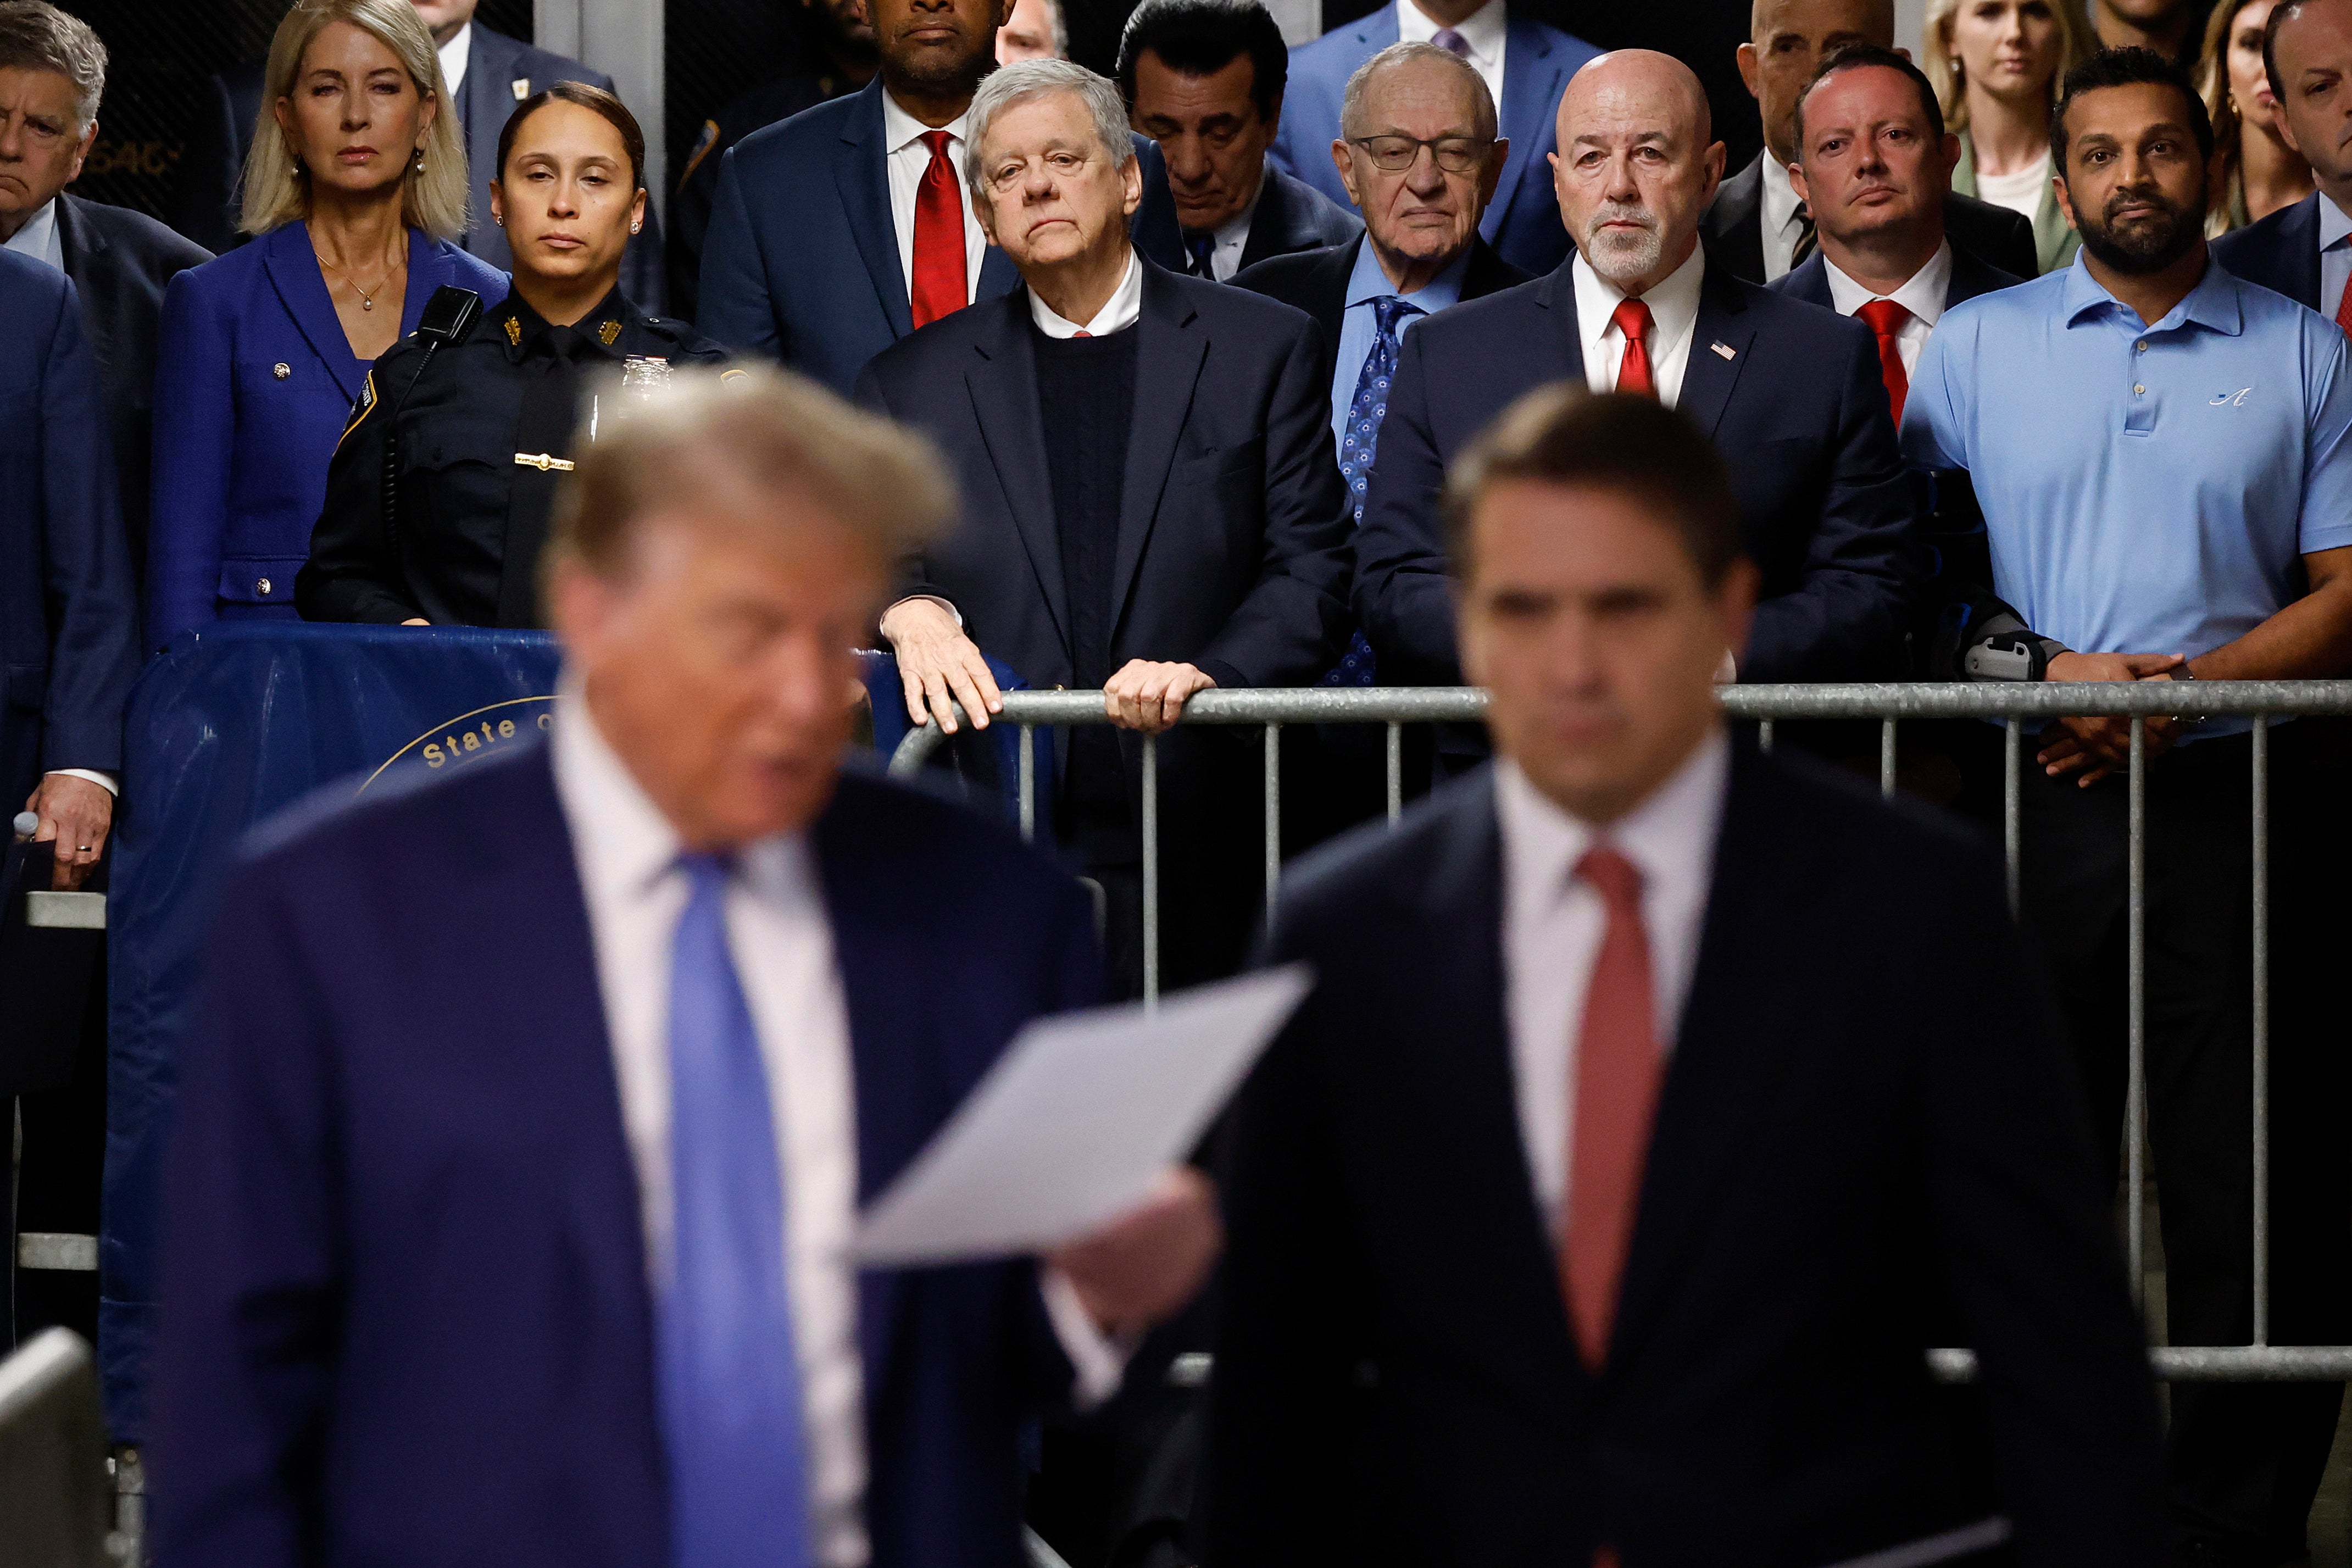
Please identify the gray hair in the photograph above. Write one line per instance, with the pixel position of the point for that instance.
(1017, 83)
(1483, 120)
(35, 36)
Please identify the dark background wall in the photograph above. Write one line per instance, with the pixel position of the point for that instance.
(161, 109)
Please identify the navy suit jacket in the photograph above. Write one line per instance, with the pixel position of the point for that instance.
(1970, 277)
(1315, 281)
(1796, 407)
(1862, 1149)
(1523, 221)
(2280, 253)
(120, 262)
(406, 1316)
(801, 263)
(1293, 216)
(240, 449)
(496, 68)
(68, 603)
(1734, 227)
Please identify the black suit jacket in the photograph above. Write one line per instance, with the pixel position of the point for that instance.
(1293, 216)
(1315, 281)
(1970, 277)
(2280, 253)
(1791, 397)
(1863, 1149)
(1734, 228)
(120, 262)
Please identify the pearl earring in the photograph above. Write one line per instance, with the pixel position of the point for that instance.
(636, 229)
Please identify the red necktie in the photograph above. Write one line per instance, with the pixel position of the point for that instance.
(939, 281)
(2344, 309)
(1633, 319)
(1617, 1075)
(1886, 317)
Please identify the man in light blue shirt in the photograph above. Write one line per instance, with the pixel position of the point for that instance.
(2159, 450)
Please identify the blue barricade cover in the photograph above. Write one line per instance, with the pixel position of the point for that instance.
(227, 726)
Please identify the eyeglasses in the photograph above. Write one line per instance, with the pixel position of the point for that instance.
(1395, 155)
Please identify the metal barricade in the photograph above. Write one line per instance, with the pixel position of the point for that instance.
(52, 1457)
(1887, 705)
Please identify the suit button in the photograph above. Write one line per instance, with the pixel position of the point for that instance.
(282, 369)
(262, 588)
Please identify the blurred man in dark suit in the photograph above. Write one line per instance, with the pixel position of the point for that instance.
(1205, 79)
(1036, 31)
(1875, 165)
(1420, 156)
(2305, 251)
(1593, 1208)
(571, 1281)
(845, 61)
(52, 78)
(1792, 395)
(1757, 228)
(838, 233)
(1150, 507)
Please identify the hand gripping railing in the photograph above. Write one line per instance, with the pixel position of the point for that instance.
(2260, 701)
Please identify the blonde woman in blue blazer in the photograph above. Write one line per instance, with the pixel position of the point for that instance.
(354, 190)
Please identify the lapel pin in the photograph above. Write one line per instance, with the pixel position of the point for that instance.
(521, 87)
(1726, 350)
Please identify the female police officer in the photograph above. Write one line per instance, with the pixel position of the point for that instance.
(446, 528)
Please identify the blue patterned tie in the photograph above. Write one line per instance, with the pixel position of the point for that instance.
(1365, 412)
(729, 1374)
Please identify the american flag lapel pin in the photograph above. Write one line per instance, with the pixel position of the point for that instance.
(1726, 350)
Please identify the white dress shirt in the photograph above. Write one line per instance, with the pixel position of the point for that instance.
(1923, 295)
(38, 239)
(782, 940)
(2334, 256)
(455, 54)
(1553, 923)
(906, 157)
(1486, 30)
(1782, 219)
(1233, 237)
(1120, 312)
(1673, 318)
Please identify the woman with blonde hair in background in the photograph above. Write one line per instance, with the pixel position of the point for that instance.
(1996, 64)
(2261, 174)
(354, 190)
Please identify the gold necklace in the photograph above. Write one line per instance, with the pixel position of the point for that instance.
(367, 296)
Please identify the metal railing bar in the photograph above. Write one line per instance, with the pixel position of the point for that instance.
(2201, 1363)
(2013, 833)
(2262, 1029)
(1273, 816)
(1029, 784)
(2136, 1091)
(1151, 868)
(1886, 757)
(1396, 769)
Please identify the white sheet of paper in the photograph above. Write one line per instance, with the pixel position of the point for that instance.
(1075, 1122)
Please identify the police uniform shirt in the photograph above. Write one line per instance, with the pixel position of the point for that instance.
(482, 438)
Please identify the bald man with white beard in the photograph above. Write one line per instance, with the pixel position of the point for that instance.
(1790, 393)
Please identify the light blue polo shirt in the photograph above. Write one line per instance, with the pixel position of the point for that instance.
(2144, 488)
(1358, 328)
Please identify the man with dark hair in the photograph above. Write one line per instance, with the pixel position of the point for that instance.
(2163, 457)
(1758, 228)
(1593, 1207)
(2305, 251)
(849, 226)
(1205, 79)
(1874, 166)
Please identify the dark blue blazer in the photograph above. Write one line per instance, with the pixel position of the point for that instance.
(1790, 395)
(1970, 277)
(801, 263)
(240, 451)
(405, 1312)
(1522, 223)
(2280, 253)
(1733, 227)
(68, 603)
(498, 67)
(1293, 216)
(1863, 1149)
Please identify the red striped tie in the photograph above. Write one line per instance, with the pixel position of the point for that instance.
(938, 285)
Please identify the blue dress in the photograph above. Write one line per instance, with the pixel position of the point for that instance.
(254, 384)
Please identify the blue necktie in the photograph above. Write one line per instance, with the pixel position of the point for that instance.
(729, 1374)
(1365, 412)
(1204, 250)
